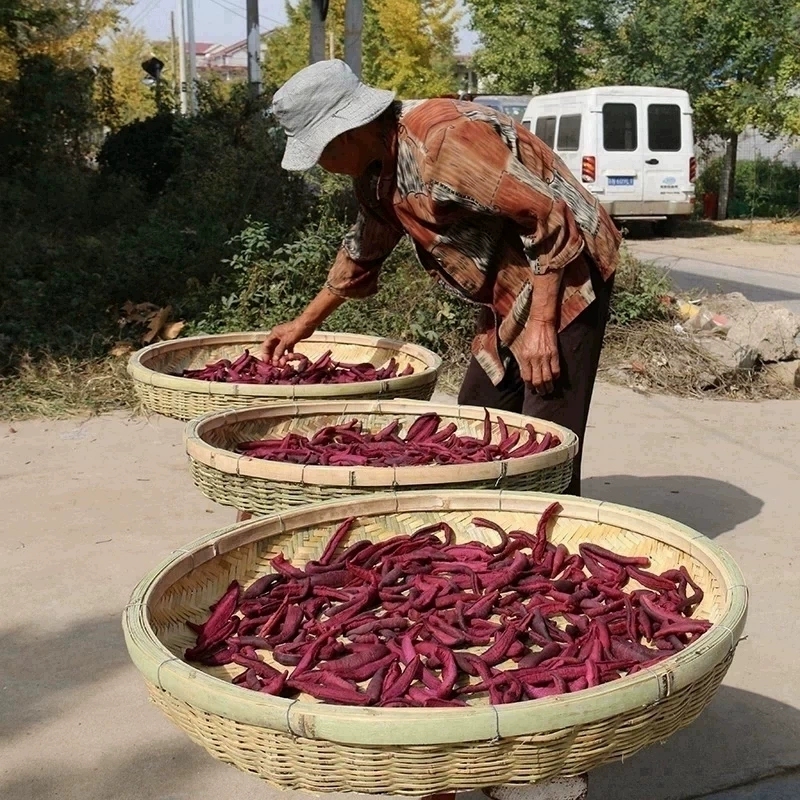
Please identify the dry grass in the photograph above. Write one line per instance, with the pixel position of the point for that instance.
(653, 357)
(781, 231)
(766, 231)
(65, 387)
(645, 356)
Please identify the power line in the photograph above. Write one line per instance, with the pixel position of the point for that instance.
(227, 5)
(229, 8)
(143, 11)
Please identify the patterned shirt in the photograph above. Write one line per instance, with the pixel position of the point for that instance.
(487, 205)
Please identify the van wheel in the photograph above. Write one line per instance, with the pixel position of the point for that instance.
(665, 227)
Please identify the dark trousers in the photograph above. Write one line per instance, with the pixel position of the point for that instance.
(579, 347)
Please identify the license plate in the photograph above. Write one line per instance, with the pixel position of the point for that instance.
(620, 181)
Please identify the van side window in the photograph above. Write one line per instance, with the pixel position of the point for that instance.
(664, 127)
(546, 130)
(619, 127)
(526, 123)
(569, 132)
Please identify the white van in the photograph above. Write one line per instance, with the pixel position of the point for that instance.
(631, 146)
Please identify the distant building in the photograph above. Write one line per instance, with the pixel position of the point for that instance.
(227, 61)
(467, 80)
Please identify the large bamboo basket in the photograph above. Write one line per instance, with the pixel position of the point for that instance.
(305, 745)
(186, 398)
(265, 487)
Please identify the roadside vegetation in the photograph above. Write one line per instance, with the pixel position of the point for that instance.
(110, 202)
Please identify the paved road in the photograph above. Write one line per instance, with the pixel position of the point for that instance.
(786, 787)
(714, 272)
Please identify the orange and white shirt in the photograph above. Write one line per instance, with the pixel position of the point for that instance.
(487, 205)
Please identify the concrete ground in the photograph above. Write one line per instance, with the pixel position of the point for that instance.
(725, 247)
(90, 507)
(726, 263)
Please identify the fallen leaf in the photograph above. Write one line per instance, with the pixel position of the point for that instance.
(138, 312)
(156, 324)
(171, 331)
(637, 366)
(12, 430)
(121, 349)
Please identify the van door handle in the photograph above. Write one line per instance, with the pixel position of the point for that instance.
(651, 161)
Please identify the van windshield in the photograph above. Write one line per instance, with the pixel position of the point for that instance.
(663, 127)
(515, 112)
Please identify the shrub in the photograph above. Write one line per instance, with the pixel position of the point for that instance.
(763, 188)
(148, 151)
(272, 284)
(638, 291)
(79, 242)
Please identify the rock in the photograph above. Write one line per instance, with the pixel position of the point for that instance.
(617, 375)
(731, 356)
(706, 381)
(786, 373)
(768, 328)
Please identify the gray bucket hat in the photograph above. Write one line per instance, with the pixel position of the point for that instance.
(317, 104)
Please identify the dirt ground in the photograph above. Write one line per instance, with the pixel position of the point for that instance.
(759, 245)
(91, 506)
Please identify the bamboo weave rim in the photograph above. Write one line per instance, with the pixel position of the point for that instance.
(297, 763)
(185, 398)
(261, 497)
(211, 439)
(478, 745)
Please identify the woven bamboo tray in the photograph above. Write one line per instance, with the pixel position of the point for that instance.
(265, 487)
(310, 746)
(186, 398)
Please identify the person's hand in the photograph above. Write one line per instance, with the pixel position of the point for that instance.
(281, 340)
(539, 362)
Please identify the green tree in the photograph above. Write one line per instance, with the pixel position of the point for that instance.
(124, 55)
(287, 46)
(736, 58)
(535, 45)
(54, 98)
(408, 45)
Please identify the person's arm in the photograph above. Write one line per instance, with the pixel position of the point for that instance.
(282, 338)
(498, 183)
(540, 364)
(354, 275)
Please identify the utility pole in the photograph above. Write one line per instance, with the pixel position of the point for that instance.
(173, 56)
(353, 27)
(319, 11)
(192, 57)
(253, 50)
(182, 60)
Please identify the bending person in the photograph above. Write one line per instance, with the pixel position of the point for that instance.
(495, 216)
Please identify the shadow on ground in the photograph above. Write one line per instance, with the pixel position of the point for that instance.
(151, 771)
(709, 506)
(699, 285)
(741, 737)
(694, 229)
(37, 668)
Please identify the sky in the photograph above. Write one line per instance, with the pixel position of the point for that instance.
(223, 21)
